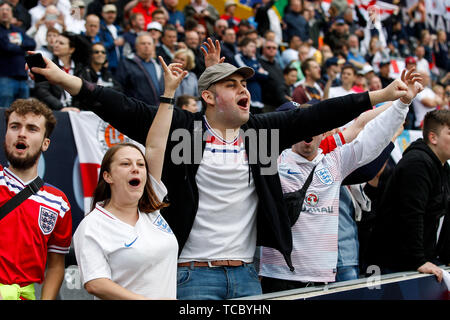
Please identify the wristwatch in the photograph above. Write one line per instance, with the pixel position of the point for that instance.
(163, 99)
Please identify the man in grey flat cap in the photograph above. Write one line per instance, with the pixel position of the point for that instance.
(223, 200)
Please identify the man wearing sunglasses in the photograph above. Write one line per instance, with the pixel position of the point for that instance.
(97, 72)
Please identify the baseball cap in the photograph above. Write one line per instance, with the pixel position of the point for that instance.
(230, 3)
(333, 61)
(109, 8)
(410, 59)
(78, 4)
(365, 70)
(155, 26)
(219, 72)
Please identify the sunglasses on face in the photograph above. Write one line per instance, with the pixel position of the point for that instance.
(98, 51)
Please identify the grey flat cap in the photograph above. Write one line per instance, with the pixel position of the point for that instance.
(219, 72)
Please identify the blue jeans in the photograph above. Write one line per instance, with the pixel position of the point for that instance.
(217, 283)
(12, 89)
(347, 273)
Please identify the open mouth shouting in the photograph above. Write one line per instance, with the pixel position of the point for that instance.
(243, 103)
(135, 182)
(21, 147)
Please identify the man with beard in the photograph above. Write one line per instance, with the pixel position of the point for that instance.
(38, 232)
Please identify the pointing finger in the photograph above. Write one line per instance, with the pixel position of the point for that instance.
(163, 64)
(403, 75)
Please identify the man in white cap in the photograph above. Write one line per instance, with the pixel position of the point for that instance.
(224, 192)
(155, 29)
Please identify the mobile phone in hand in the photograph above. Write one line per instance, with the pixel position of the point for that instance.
(36, 60)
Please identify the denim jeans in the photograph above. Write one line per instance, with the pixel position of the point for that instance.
(217, 283)
(11, 90)
(347, 273)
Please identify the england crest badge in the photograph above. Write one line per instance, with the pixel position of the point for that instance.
(162, 224)
(47, 220)
(325, 176)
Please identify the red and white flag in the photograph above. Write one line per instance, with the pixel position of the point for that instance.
(93, 137)
(385, 8)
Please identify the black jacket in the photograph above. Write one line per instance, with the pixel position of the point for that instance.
(161, 51)
(416, 196)
(262, 18)
(199, 61)
(229, 50)
(136, 81)
(133, 118)
(89, 74)
(273, 88)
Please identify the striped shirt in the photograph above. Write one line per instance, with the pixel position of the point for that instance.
(315, 234)
(225, 224)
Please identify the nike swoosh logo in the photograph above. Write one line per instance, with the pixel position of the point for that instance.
(292, 172)
(130, 244)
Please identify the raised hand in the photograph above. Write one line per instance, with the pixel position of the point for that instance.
(212, 53)
(405, 88)
(173, 75)
(413, 82)
(56, 76)
(51, 72)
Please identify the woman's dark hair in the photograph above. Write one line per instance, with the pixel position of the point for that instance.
(82, 47)
(147, 203)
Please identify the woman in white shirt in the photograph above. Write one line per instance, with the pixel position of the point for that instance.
(124, 247)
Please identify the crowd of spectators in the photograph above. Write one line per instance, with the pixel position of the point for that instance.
(309, 54)
(336, 38)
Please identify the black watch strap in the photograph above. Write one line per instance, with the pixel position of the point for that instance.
(163, 99)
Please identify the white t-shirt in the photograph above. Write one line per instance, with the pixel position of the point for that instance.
(423, 65)
(419, 109)
(339, 92)
(225, 225)
(142, 259)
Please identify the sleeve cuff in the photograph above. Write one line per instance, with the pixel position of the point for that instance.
(400, 104)
(87, 89)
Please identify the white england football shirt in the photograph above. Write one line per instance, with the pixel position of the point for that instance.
(142, 259)
(315, 234)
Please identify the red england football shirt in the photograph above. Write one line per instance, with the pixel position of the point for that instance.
(40, 224)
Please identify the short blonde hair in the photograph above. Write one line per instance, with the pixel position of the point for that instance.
(189, 58)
